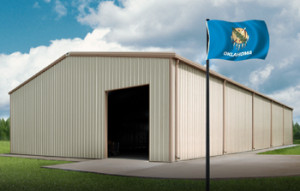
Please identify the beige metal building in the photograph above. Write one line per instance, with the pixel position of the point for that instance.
(99, 104)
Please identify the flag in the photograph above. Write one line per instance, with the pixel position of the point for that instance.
(237, 40)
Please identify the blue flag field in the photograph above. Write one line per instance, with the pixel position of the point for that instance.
(237, 41)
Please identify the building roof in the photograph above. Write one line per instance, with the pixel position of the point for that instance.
(170, 55)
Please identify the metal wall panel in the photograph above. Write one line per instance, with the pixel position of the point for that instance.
(288, 126)
(262, 122)
(172, 105)
(16, 113)
(62, 111)
(216, 116)
(277, 124)
(238, 108)
(191, 113)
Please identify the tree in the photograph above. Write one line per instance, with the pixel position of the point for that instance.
(296, 131)
(5, 129)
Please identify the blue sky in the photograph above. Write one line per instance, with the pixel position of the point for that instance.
(31, 23)
(33, 33)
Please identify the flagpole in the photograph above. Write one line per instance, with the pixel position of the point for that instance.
(207, 117)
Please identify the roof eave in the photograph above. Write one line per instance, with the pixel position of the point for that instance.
(170, 55)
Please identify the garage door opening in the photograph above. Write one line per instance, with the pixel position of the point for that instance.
(128, 123)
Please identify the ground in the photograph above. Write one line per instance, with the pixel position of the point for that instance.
(26, 174)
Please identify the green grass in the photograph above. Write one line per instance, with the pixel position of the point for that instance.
(4, 147)
(297, 141)
(26, 174)
(286, 151)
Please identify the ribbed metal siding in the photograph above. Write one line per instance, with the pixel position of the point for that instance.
(238, 131)
(172, 110)
(191, 113)
(62, 111)
(23, 110)
(288, 126)
(277, 125)
(262, 122)
(216, 116)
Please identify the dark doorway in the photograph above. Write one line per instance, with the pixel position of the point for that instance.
(128, 123)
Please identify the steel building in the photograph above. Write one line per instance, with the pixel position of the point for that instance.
(106, 104)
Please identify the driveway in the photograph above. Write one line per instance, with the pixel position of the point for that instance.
(240, 165)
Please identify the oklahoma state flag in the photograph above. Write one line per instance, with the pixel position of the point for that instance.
(237, 41)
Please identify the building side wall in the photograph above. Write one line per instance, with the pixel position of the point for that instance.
(238, 131)
(216, 116)
(277, 125)
(191, 113)
(262, 122)
(288, 127)
(173, 109)
(62, 112)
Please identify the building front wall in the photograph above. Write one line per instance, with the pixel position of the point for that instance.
(62, 112)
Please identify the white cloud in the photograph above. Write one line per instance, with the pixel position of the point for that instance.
(168, 23)
(60, 9)
(259, 76)
(286, 62)
(140, 19)
(81, 5)
(289, 96)
(47, 1)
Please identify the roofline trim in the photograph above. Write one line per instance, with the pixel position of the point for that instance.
(170, 55)
(39, 73)
(125, 54)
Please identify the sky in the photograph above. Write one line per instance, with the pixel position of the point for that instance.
(34, 33)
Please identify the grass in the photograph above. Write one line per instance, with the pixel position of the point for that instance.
(4, 147)
(26, 174)
(297, 141)
(286, 151)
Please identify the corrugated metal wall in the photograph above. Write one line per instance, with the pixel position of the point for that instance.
(238, 127)
(62, 111)
(262, 122)
(191, 113)
(288, 127)
(173, 110)
(277, 125)
(216, 116)
(242, 108)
